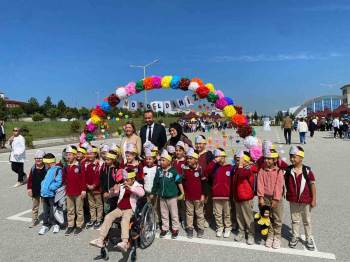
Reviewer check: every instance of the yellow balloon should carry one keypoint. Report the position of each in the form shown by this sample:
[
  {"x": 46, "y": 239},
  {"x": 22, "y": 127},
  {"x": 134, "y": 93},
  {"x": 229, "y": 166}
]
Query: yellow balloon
[
  {"x": 117, "y": 119},
  {"x": 211, "y": 87},
  {"x": 166, "y": 80},
  {"x": 229, "y": 111},
  {"x": 95, "y": 119}
]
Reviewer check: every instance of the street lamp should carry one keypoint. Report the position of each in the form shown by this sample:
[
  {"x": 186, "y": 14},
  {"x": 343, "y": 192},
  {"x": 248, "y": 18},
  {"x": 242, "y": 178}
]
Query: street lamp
[{"x": 144, "y": 67}]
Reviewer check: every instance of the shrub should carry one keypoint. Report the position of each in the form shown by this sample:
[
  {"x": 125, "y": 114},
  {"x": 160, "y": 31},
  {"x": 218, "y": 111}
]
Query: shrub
[
  {"x": 75, "y": 126},
  {"x": 37, "y": 117},
  {"x": 27, "y": 136}
]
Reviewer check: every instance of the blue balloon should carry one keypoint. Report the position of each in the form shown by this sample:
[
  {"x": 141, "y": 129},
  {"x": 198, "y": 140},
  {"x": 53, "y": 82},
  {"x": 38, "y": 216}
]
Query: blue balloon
[
  {"x": 175, "y": 82},
  {"x": 105, "y": 106},
  {"x": 228, "y": 100}
]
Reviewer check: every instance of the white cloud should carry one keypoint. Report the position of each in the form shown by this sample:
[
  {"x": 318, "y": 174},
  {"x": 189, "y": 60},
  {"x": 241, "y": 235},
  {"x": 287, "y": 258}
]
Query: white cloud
[{"x": 272, "y": 58}]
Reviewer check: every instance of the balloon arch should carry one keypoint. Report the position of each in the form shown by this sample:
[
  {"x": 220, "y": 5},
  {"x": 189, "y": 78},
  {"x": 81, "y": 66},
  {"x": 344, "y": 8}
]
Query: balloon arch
[{"x": 203, "y": 91}]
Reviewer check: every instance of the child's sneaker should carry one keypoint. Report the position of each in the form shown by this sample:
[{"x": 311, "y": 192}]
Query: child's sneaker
[
  {"x": 239, "y": 237},
  {"x": 122, "y": 246},
  {"x": 227, "y": 233},
  {"x": 34, "y": 223},
  {"x": 163, "y": 233},
  {"x": 69, "y": 231},
  {"x": 250, "y": 240},
  {"x": 200, "y": 233},
  {"x": 90, "y": 224},
  {"x": 78, "y": 230},
  {"x": 56, "y": 229},
  {"x": 310, "y": 244},
  {"x": 43, "y": 230},
  {"x": 174, "y": 234},
  {"x": 219, "y": 232},
  {"x": 293, "y": 242},
  {"x": 269, "y": 242},
  {"x": 97, "y": 225},
  {"x": 276, "y": 243},
  {"x": 189, "y": 232}
]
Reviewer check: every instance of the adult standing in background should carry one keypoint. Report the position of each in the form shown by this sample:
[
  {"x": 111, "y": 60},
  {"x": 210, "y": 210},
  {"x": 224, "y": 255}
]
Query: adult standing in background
[
  {"x": 336, "y": 127},
  {"x": 2, "y": 134},
  {"x": 130, "y": 137},
  {"x": 176, "y": 135},
  {"x": 152, "y": 132},
  {"x": 18, "y": 155},
  {"x": 287, "y": 129},
  {"x": 302, "y": 129}
]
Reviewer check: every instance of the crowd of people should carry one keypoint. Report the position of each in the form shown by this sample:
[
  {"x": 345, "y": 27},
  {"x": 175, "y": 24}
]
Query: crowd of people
[
  {"x": 339, "y": 126},
  {"x": 187, "y": 185},
  {"x": 202, "y": 125}
]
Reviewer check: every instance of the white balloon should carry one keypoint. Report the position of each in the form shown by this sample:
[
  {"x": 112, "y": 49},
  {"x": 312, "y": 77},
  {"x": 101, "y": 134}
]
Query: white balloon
[
  {"x": 193, "y": 86},
  {"x": 121, "y": 92}
]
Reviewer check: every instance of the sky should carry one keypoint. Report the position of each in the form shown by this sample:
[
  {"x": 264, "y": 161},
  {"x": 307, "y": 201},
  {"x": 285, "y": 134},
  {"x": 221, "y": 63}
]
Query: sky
[{"x": 266, "y": 55}]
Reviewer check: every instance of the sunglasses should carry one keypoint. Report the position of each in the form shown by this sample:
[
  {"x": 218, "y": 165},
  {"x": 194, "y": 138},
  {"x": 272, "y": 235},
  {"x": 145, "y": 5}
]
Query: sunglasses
[{"x": 15, "y": 130}]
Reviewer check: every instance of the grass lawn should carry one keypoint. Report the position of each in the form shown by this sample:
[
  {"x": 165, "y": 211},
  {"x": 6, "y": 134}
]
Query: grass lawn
[{"x": 42, "y": 130}]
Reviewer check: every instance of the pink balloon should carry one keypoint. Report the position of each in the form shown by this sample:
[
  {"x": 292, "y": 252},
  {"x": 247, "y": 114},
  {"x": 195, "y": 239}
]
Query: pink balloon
[{"x": 220, "y": 93}]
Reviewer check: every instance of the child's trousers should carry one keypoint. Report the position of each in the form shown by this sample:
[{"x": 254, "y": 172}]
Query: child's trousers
[
  {"x": 75, "y": 208},
  {"x": 95, "y": 206},
  {"x": 276, "y": 215},
  {"x": 244, "y": 215},
  {"x": 300, "y": 212},
  {"x": 169, "y": 205},
  {"x": 222, "y": 213},
  {"x": 35, "y": 208},
  {"x": 195, "y": 208},
  {"x": 125, "y": 223},
  {"x": 48, "y": 214}
]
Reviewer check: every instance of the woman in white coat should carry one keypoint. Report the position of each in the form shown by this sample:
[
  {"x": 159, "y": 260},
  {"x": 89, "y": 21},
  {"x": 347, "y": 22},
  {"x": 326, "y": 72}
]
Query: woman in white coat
[{"x": 18, "y": 155}]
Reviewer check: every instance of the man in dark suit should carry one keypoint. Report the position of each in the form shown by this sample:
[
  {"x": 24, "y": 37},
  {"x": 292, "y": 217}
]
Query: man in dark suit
[{"x": 152, "y": 131}]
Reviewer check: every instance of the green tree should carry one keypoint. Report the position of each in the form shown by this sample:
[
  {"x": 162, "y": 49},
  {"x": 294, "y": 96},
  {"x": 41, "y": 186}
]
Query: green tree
[
  {"x": 47, "y": 105},
  {"x": 255, "y": 116},
  {"x": 32, "y": 106},
  {"x": 16, "y": 112},
  {"x": 84, "y": 113},
  {"x": 61, "y": 106},
  {"x": 3, "y": 110},
  {"x": 53, "y": 113}
]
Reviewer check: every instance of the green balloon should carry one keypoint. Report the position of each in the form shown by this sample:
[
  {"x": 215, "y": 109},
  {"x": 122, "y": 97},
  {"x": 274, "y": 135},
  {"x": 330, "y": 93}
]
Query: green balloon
[
  {"x": 212, "y": 97},
  {"x": 139, "y": 85}
]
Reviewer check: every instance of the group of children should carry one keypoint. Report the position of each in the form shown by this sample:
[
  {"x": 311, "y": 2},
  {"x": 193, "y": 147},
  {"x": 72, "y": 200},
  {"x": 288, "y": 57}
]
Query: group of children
[{"x": 189, "y": 187}]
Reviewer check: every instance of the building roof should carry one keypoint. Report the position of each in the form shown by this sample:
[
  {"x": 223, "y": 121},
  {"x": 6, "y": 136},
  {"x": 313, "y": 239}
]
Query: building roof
[{"x": 346, "y": 86}]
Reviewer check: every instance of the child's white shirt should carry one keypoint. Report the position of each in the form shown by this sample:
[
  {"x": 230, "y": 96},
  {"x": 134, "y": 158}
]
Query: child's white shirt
[{"x": 149, "y": 174}]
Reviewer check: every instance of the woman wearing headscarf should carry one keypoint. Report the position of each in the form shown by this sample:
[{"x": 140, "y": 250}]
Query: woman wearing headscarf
[{"x": 176, "y": 135}]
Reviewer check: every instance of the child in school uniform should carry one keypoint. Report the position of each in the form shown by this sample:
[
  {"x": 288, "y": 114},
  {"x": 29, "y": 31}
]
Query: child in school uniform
[
  {"x": 81, "y": 154},
  {"x": 193, "y": 180},
  {"x": 133, "y": 162},
  {"x": 178, "y": 163},
  {"x": 108, "y": 178},
  {"x": 205, "y": 157},
  {"x": 260, "y": 163},
  {"x": 49, "y": 186},
  {"x": 219, "y": 176},
  {"x": 74, "y": 180},
  {"x": 243, "y": 194},
  {"x": 269, "y": 190},
  {"x": 36, "y": 176},
  {"x": 128, "y": 194},
  {"x": 92, "y": 178},
  {"x": 301, "y": 194},
  {"x": 166, "y": 185}
]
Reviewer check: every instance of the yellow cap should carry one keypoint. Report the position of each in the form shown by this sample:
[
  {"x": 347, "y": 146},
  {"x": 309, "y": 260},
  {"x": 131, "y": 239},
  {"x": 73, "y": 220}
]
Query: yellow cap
[
  {"x": 82, "y": 150},
  {"x": 111, "y": 156},
  {"x": 49, "y": 160}
]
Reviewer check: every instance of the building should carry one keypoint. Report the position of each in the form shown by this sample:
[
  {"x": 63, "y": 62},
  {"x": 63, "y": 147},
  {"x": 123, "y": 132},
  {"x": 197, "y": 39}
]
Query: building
[
  {"x": 346, "y": 95},
  {"x": 11, "y": 103},
  {"x": 317, "y": 104}
]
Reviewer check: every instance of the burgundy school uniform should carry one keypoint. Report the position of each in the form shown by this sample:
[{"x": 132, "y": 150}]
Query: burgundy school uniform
[
  {"x": 179, "y": 165},
  {"x": 92, "y": 174},
  {"x": 243, "y": 184},
  {"x": 74, "y": 179},
  {"x": 205, "y": 158},
  {"x": 220, "y": 178},
  {"x": 125, "y": 201},
  {"x": 192, "y": 181},
  {"x": 298, "y": 189}
]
